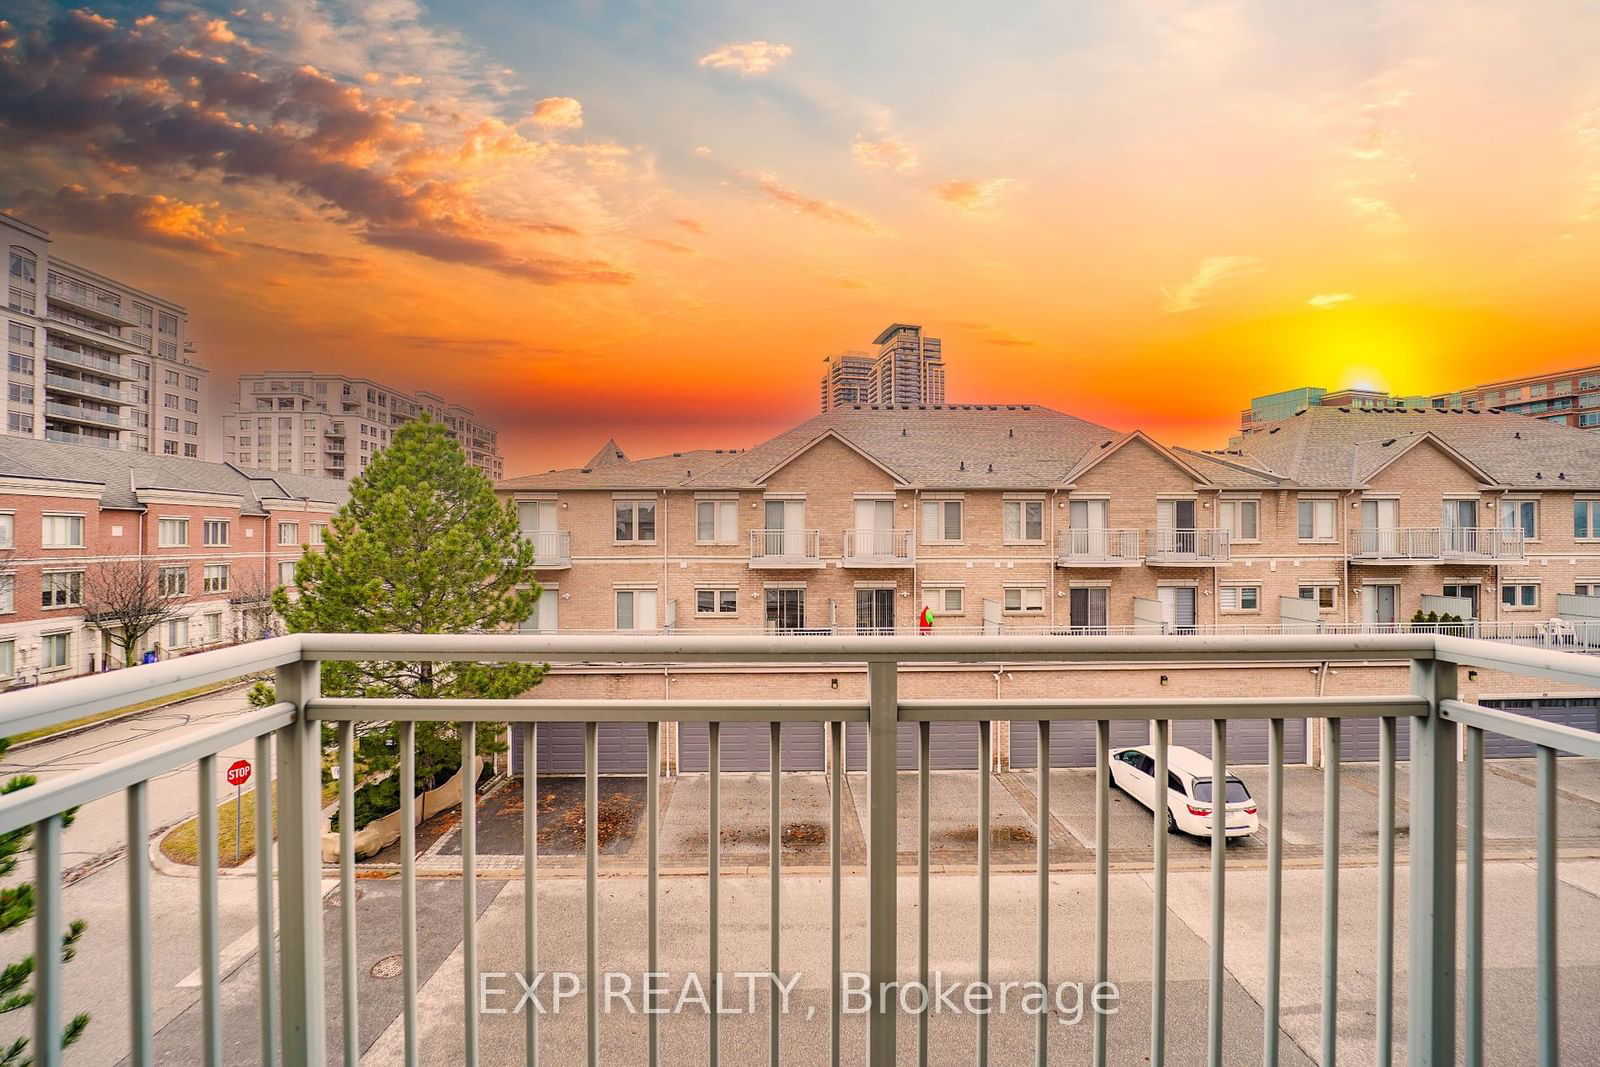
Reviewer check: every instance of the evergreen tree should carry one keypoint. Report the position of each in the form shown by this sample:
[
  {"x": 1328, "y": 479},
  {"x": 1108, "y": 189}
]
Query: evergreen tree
[{"x": 424, "y": 547}]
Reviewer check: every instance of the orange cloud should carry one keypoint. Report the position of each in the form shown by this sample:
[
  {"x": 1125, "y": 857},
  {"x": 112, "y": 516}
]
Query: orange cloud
[
  {"x": 888, "y": 153},
  {"x": 825, "y": 210},
  {"x": 557, "y": 112},
  {"x": 748, "y": 57},
  {"x": 153, "y": 220},
  {"x": 980, "y": 195}
]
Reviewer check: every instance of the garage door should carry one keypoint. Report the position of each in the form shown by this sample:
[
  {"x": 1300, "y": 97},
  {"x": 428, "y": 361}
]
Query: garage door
[
  {"x": 1247, "y": 740},
  {"x": 1071, "y": 743},
  {"x": 1358, "y": 741},
  {"x": 745, "y": 746},
  {"x": 624, "y": 748},
  {"x": 1582, "y": 714},
  {"x": 952, "y": 746}
]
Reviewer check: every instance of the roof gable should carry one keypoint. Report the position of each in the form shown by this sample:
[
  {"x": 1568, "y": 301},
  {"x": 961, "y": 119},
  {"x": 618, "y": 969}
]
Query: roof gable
[
  {"x": 830, "y": 435},
  {"x": 1380, "y": 456},
  {"x": 1100, "y": 455}
]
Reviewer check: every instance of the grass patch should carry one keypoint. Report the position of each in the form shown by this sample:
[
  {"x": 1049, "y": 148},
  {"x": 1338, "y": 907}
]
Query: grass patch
[
  {"x": 90, "y": 720},
  {"x": 182, "y": 845}
]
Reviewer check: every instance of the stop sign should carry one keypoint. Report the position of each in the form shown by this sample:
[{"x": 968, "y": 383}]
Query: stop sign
[{"x": 239, "y": 773}]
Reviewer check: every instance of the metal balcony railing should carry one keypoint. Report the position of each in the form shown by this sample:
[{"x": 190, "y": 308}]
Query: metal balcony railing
[
  {"x": 1105, "y": 547},
  {"x": 785, "y": 548},
  {"x": 93, "y": 303},
  {"x": 878, "y": 548},
  {"x": 294, "y": 992},
  {"x": 1487, "y": 543},
  {"x": 74, "y": 413},
  {"x": 65, "y": 438},
  {"x": 1425, "y": 544},
  {"x": 551, "y": 548},
  {"x": 60, "y": 383},
  {"x": 108, "y": 368},
  {"x": 1186, "y": 546}
]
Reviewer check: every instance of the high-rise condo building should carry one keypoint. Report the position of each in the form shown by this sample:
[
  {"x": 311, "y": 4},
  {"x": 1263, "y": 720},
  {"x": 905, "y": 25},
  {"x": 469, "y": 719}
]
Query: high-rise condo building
[
  {"x": 95, "y": 361},
  {"x": 331, "y": 425},
  {"x": 908, "y": 368}
]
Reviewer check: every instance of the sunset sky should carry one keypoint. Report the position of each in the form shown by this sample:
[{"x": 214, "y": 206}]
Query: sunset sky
[{"x": 654, "y": 220}]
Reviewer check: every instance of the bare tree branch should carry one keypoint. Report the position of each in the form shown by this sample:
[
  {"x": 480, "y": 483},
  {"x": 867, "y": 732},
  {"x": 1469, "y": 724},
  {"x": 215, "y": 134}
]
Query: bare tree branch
[{"x": 123, "y": 599}]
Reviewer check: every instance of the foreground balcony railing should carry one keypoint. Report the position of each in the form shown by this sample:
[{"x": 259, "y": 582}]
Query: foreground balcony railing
[
  {"x": 1433, "y": 544},
  {"x": 294, "y": 995},
  {"x": 1187, "y": 547},
  {"x": 551, "y": 548},
  {"x": 785, "y": 548},
  {"x": 878, "y": 548},
  {"x": 1098, "y": 547}
]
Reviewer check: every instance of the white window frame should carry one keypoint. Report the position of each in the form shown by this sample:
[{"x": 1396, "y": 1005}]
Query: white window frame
[
  {"x": 937, "y": 597},
  {"x": 209, "y": 525},
  {"x": 8, "y": 593},
  {"x": 213, "y": 631},
  {"x": 1332, "y": 505},
  {"x": 172, "y": 532},
  {"x": 1025, "y": 593},
  {"x": 172, "y": 633},
  {"x": 8, "y": 529},
  {"x": 293, "y": 530},
  {"x": 44, "y": 528},
  {"x": 724, "y": 520},
  {"x": 1234, "y": 506},
  {"x": 632, "y": 591},
  {"x": 1334, "y": 586},
  {"x": 1520, "y": 584},
  {"x": 942, "y": 502},
  {"x": 1021, "y": 505},
  {"x": 290, "y": 565},
  {"x": 1591, "y": 518},
  {"x": 45, "y": 641},
  {"x": 632, "y": 504},
  {"x": 316, "y": 534},
  {"x": 75, "y": 590},
  {"x": 211, "y": 574},
  {"x": 8, "y": 657},
  {"x": 716, "y": 592},
  {"x": 1592, "y": 584},
  {"x": 173, "y": 581},
  {"x": 1237, "y": 591}
]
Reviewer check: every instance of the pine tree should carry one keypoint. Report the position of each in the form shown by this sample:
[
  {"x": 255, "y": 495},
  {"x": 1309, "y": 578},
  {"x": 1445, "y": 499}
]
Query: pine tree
[
  {"x": 16, "y": 908},
  {"x": 424, "y": 547}
]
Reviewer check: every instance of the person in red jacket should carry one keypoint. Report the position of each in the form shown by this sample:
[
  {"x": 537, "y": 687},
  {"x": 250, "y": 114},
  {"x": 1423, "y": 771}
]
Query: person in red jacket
[{"x": 925, "y": 621}]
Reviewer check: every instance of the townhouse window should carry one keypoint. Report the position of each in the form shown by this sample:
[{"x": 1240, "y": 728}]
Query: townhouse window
[
  {"x": 61, "y": 589},
  {"x": 1239, "y": 598},
  {"x": 716, "y": 601},
  {"x": 55, "y": 651},
  {"x": 177, "y": 633},
  {"x": 216, "y": 531},
  {"x": 8, "y": 593},
  {"x": 785, "y": 608},
  {"x": 636, "y": 609},
  {"x": 1521, "y": 596},
  {"x": 945, "y": 600},
  {"x": 1088, "y": 607},
  {"x": 8, "y": 529},
  {"x": 173, "y": 581},
  {"x": 635, "y": 521},
  {"x": 1024, "y": 521},
  {"x": 286, "y": 572},
  {"x": 1024, "y": 600},
  {"x": 1585, "y": 519},
  {"x": 1240, "y": 518},
  {"x": 1316, "y": 519},
  {"x": 172, "y": 533},
  {"x": 1587, "y": 587},
  {"x": 318, "y": 530},
  {"x": 941, "y": 521},
  {"x": 61, "y": 531},
  {"x": 288, "y": 533},
  {"x": 1520, "y": 515},
  {"x": 1326, "y": 596},
  {"x": 716, "y": 522},
  {"x": 8, "y": 658},
  {"x": 215, "y": 578},
  {"x": 213, "y": 626}
]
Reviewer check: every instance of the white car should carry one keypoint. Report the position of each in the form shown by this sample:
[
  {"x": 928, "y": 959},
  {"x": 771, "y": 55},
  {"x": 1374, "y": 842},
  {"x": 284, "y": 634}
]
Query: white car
[{"x": 1188, "y": 790}]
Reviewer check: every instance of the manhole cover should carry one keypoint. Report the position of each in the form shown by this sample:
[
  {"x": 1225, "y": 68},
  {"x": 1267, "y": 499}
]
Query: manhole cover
[{"x": 388, "y": 967}]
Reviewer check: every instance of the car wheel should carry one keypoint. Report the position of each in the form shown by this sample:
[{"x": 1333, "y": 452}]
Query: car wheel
[{"x": 1172, "y": 822}]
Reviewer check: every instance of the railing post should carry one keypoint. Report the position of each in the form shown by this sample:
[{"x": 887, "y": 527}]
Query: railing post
[
  {"x": 300, "y": 860},
  {"x": 882, "y": 858},
  {"x": 1431, "y": 1031}
]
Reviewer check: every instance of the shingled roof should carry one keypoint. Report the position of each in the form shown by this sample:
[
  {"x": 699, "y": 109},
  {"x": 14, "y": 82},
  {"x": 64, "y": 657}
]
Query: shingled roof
[
  {"x": 1339, "y": 448},
  {"x": 657, "y": 472},
  {"x": 121, "y": 476}
]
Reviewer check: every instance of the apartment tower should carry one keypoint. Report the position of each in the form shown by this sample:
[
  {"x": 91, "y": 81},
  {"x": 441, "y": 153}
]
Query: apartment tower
[{"x": 907, "y": 368}]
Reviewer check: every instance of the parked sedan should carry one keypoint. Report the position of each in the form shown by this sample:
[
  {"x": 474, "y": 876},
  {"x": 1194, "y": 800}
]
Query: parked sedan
[{"x": 1189, "y": 804}]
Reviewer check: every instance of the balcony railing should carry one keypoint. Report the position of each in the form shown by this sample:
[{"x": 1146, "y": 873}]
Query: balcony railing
[
  {"x": 1432, "y": 544},
  {"x": 60, "y": 383},
  {"x": 551, "y": 548},
  {"x": 878, "y": 548},
  {"x": 73, "y": 413},
  {"x": 1186, "y": 547},
  {"x": 108, "y": 368},
  {"x": 93, "y": 303},
  {"x": 785, "y": 548},
  {"x": 65, "y": 438},
  {"x": 1445, "y": 905},
  {"x": 1098, "y": 547}
]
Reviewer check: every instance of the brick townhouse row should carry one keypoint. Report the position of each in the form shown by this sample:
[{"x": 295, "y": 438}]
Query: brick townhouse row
[
  {"x": 220, "y": 538},
  {"x": 1016, "y": 517}
]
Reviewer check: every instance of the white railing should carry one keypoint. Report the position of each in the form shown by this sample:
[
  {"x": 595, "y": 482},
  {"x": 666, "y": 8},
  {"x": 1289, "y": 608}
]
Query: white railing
[
  {"x": 65, "y": 438},
  {"x": 1115, "y": 546},
  {"x": 551, "y": 548},
  {"x": 81, "y": 414},
  {"x": 90, "y": 301},
  {"x": 1423, "y": 544},
  {"x": 878, "y": 547},
  {"x": 294, "y": 992},
  {"x": 60, "y": 383},
  {"x": 1187, "y": 546},
  {"x": 785, "y": 548},
  {"x": 83, "y": 360},
  {"x": 1483, "y": 543}
]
